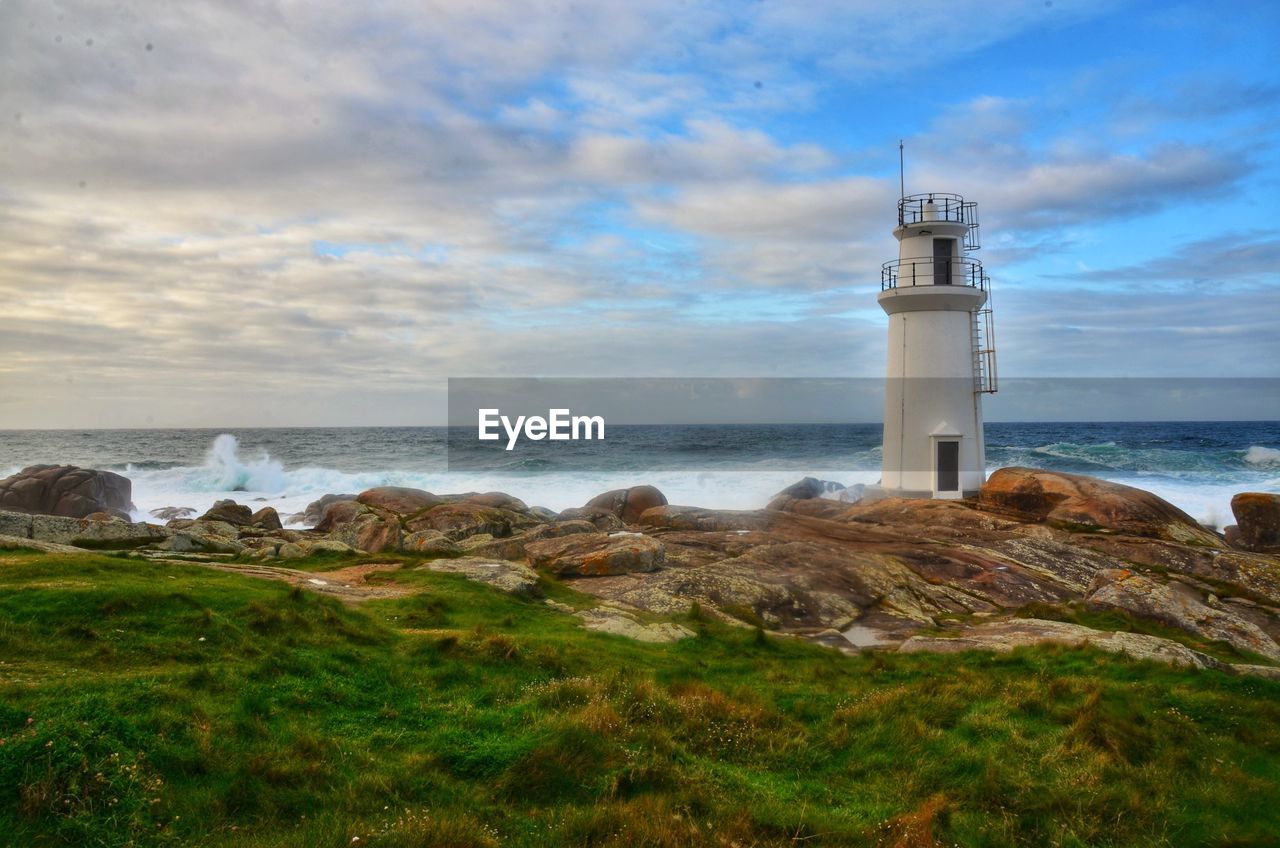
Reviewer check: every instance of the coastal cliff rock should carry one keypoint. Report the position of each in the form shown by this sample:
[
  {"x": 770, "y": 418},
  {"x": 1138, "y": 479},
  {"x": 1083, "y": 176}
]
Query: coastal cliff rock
[
  {"x": 1081, "y": 502},
  {"x": 1257, "y": 521},
  {"x": 66, "y": 490}
]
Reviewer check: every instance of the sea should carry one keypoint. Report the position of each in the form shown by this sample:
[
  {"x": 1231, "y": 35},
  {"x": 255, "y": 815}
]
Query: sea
[{"x": 1197, "y": 466}]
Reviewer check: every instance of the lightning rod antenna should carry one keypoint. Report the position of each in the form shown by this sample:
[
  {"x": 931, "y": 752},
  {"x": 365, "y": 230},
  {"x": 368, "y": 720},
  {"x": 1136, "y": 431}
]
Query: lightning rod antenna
[{"x": 902, "y": 172}]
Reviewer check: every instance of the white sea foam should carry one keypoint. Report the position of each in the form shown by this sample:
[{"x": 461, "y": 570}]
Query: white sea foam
[
  {"x": 1263, "y": 456},
  {"x": 263, "y": 480}
]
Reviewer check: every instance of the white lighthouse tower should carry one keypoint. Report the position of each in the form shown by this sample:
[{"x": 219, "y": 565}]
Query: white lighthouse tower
[{"x": 941, "y": 352}]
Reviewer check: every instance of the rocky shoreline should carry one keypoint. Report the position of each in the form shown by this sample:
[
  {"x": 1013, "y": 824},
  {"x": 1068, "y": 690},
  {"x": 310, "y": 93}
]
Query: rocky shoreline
[{"x": 1037, "y": 557}]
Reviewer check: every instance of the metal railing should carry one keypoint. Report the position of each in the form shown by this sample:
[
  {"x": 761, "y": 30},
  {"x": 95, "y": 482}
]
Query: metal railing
[
  {"x": 941, "y": 206},
  {"x": 956, "y": 271}
]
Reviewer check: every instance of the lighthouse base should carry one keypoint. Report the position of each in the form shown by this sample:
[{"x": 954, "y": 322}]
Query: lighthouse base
[{"x": 876, "y": 492}]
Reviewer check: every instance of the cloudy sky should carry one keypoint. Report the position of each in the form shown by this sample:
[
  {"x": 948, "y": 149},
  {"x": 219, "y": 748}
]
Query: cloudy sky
[{"x": 236, "y": 214}]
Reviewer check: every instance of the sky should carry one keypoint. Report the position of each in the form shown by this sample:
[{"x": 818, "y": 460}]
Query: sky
[{"x": 290, "y": 214}]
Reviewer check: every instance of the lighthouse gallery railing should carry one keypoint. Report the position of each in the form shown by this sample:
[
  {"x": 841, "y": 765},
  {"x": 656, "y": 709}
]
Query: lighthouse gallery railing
[
  {"x": 956, "y": 271},
  {"x": 941, "y": 206}
]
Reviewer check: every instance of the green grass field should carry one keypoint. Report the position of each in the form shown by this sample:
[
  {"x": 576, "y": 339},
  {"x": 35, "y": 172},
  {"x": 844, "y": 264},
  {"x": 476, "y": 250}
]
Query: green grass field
[{"x": 151, "y": 704}]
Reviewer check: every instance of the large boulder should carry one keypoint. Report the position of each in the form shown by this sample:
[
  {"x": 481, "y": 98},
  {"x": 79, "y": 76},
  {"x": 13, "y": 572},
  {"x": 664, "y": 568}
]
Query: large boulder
[
  {"x": 314, "y": 512},
  {"x": 1075, "y": 501},
  {"x": 1178, "y": 605},
  {"x": 230, "y": 512},
  {"x": 398, "y": 499},
  {"x": 1257, "y": 521},
  {"x": 597, "y": 554},
  {"x": 266, "y": 518},
  {"x": 627, "y": 504},
  {"x": 365, "y": 528},
  {"x": 66, "y": 490}
]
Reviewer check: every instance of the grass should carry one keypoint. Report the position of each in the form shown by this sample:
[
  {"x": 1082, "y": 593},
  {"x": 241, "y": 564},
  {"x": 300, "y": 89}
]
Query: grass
[{"x": 152, "y": 704}]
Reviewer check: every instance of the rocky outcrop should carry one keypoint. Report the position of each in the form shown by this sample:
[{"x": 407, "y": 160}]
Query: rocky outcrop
[
  {"x": 1087, "y": 503},
  {"x": 1004, "y": 636},
  {"x": 627, "y": 504},
  {"x": 100, "y": 530},
  {"x": 597, "y": 554},
  {"x": 1257, "y": 521},
  {"x": 66, "y": 490},
  {"x": 1178, "y": 605}
]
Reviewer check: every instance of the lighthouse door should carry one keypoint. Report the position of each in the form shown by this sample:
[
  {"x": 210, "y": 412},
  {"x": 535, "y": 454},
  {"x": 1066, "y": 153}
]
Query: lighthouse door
[
  {"x": 948, "y": 474},
  {"x": 942, "y": 261}
]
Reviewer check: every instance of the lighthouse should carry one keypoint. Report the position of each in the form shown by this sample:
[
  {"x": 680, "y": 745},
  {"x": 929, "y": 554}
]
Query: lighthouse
[{"x": 941, "y": 356}]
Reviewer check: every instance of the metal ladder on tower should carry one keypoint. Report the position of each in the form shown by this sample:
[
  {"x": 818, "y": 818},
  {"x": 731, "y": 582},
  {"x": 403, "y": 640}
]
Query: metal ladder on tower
[{"x": 985, "y": 377}]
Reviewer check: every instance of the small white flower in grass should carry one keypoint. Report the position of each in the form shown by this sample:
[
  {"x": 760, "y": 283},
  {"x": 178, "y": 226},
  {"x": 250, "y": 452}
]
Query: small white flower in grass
[{"x": 201, "y": 639}]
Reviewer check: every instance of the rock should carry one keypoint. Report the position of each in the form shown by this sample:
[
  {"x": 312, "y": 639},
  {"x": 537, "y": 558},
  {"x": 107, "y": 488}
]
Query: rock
[
  {"x": 628, "y": 504},
  {"x": 430, "y": 543},
  {"x": 498, "y": 500},
  {"x": 459, "y": 520},
  {"x": 596, "y": 554},
  {"x": 366, "y": 528},
  {"x": 599, "y": 517},
  {"x": 805, "y": 489},
  {"x": 266, "y": 518},
  {"x": 399, "y": 500},
  {"x": 201, "y": 527},
  {"x": 620, "y": 623},
  {"x": 184, "y": 541},
  {"x": 316, "y": 546},
  {"x": 168, "y": 513},
  {"x": 1257, "y": 521},
  {"x": 21, "y": 542},
  {"x": 510, "y": 577},
  {"x": 1018, "y": 632},
  {"x": 1087, "y": 503},
  {"x": 15, "y": 524},
  {"x": 1178, "y": 605},
  {"x": 102, "y": 531},
  {"x": 696, "y": 518},
  {"x": 230, "y": 512},
  {"x": 66, "y": 490},
  {"x": 289, "y": 550},
  {"x": 541, "y": 513},
  {"x": 516, "y": 547},
  {"x": 314, "y": 513}
]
